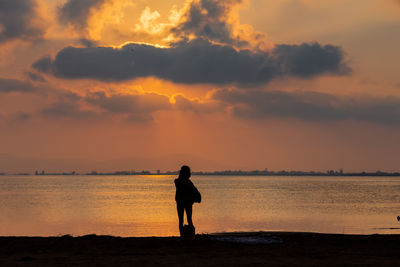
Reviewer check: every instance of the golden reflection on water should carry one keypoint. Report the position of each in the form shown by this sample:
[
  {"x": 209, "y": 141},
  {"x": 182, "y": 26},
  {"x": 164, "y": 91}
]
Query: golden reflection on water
[{"x": 145, "y": 206}]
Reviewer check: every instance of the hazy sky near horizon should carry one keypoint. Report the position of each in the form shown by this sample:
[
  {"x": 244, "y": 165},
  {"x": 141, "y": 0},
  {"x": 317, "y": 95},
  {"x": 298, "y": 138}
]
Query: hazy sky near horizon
[{"x": 216, "y": 84}]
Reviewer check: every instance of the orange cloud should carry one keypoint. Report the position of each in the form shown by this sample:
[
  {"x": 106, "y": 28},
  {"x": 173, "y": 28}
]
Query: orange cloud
[
  {"x": 91, "y": 17},
  {"x": 217, "y": 21}
]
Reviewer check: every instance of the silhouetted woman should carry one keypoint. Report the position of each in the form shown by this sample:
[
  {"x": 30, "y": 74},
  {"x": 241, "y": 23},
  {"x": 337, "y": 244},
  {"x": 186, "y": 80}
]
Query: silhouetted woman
[{"x": 186, "y": 194}]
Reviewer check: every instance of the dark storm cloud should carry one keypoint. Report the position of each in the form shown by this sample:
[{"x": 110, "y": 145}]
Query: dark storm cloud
[
  {"x": 209, "y": 19},
  {"x": 197, "y": 61},
  {"x": 12, "y": 85},
  {"x": 19, "y": 20},
  {"x": 309, "y": 106},
  {"x": 307, "y": 60},
  {"x": 76, "y": 12}
]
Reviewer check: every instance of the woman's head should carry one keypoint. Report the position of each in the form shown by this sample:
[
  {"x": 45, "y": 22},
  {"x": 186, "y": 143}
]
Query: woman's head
[{"x": 184, "y": 173}]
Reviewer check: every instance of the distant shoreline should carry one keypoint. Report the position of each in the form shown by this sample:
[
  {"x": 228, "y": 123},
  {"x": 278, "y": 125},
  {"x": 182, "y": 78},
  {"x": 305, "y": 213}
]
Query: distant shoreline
[{"x": 223, "y": 173}]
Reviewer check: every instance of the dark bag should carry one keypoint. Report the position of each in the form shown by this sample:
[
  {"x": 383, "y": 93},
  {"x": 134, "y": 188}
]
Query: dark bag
[{"x": 196, "y": 195}]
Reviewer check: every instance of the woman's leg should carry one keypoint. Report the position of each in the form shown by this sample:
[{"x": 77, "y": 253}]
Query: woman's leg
[
  {"x": 180, "y": 209},
  {"x": 188, "y": 209}
]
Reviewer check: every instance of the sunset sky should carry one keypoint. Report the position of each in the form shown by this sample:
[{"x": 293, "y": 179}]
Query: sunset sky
[{"x": 216, "y": 84}]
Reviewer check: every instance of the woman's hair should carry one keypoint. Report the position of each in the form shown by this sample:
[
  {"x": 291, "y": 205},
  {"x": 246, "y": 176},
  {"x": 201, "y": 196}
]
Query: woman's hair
[{"x": 184, "y": 173}]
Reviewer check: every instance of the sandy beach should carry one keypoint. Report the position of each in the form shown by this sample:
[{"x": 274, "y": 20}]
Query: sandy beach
[{"x": 287, "y": 249}]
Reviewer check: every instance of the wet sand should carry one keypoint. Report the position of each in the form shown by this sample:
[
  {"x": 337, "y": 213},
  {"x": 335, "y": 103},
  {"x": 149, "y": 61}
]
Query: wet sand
[{"x": 294, "y": 249}]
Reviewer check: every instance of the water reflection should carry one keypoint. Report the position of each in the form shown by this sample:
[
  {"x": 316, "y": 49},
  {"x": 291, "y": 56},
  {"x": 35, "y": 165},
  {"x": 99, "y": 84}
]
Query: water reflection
[{"x": 144, "y": 205}]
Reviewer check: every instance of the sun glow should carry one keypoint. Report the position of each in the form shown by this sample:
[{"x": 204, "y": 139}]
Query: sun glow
[
  {"x": 111, "y": 13},
  {"x": 148, "y": 22}
]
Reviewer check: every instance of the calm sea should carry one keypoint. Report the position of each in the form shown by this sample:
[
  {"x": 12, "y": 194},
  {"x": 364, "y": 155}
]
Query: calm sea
[{"x": 145, "y": 206}]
